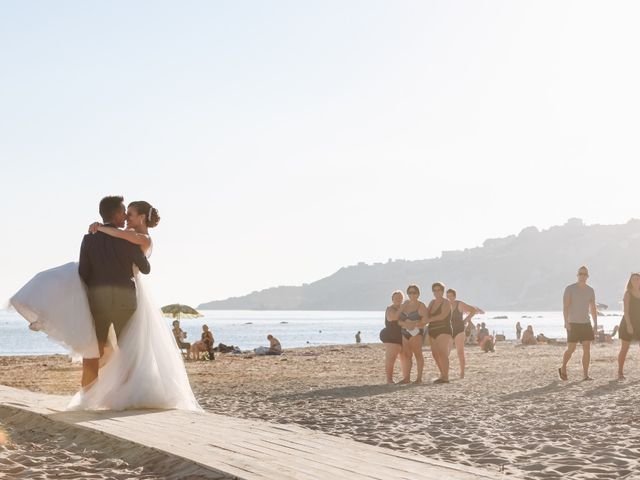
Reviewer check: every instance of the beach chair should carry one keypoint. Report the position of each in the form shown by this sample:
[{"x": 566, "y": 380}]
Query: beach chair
[{"x": 184, "y": 351}]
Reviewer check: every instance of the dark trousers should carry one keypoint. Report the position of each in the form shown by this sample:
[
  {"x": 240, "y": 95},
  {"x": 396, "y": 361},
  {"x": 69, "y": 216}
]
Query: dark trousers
[
  {"x": 111, "y": 305},
  {"x": 104, "y": 319}
]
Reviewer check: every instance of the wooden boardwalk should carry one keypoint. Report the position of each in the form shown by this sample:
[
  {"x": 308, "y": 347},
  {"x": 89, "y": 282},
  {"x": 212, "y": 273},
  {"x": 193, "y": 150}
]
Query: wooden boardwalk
[{"x": 247, "y": 449}]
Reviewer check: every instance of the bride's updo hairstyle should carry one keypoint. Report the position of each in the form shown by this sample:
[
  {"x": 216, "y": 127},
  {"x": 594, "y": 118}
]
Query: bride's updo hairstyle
[{"x": 151, "y": 213}]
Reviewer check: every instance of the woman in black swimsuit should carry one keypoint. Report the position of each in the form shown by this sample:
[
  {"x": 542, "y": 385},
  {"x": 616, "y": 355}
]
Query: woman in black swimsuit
[
  {"x": 629, "y": 330},
  {"x": 458, "y": 324},
  {"x": 439, "y": 320},
  {"x": 413, "y": 318},
  {"x": 391, "y": 336}
]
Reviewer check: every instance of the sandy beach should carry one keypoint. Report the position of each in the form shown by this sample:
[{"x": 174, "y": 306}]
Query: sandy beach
[
  {"x": 511, "y": 413},
  {"x": 33, "y": 447}
]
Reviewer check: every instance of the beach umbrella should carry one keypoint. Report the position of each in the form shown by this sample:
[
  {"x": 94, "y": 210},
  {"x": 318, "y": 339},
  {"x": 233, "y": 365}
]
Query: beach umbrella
[{"x": 177, "y": 310}]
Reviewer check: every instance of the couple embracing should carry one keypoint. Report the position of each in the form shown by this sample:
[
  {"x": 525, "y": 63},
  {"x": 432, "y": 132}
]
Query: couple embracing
[{"x": 101, "y": 310}]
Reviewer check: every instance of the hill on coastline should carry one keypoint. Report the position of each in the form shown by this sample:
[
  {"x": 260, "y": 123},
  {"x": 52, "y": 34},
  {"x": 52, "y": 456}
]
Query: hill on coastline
[{"x": 527, "y": 271}]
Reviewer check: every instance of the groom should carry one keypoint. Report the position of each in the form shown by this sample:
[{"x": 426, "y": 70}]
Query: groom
[{"x": 106, "y": 266}]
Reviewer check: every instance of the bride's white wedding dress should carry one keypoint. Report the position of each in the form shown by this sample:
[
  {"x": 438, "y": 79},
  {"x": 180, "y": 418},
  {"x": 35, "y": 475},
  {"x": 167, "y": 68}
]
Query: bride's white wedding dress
[
  {"x": 144, "y": 370},
  {"x": 55, "y": 302}
]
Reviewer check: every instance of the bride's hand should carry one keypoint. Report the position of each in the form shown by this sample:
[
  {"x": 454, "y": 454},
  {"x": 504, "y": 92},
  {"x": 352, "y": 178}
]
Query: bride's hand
[{"x": 93, "y": 228}]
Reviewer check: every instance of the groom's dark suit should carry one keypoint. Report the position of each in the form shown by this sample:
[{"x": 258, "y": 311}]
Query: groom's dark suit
[{"x": 106, "y": 266}]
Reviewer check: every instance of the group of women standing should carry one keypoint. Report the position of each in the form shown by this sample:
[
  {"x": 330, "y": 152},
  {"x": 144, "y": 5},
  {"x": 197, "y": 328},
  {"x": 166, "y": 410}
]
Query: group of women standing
[{"x": 408, "y": 323}]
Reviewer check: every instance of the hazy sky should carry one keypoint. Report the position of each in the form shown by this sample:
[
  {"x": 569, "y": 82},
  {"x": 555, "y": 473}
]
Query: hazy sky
[{"x": 282, "y": 140}]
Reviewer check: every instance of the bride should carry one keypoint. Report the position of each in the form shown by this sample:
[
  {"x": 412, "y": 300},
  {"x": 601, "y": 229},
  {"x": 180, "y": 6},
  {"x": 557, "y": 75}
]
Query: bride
[{"x": 145, "y": 368}]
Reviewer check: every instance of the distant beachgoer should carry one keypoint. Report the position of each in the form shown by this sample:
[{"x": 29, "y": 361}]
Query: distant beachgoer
[
  {"x": 274, "y": 346},
  {"x": 518, "y": 330},
  {"x": 413, "y": 318},
  {"x": 358, "y": 338},
  {"x": 579, "y": 299},
  {"x": 440, "y": 331},
  {"x": 391, "y": 337},
  {"x": 204, "y": 345},
  {"x": 542, "y": 338},
  {"x": 529, "y": 338},
  {"x": 471, "y": 333},
  {"x": 485, "y": 339},
  {"x": 600, "y": 335},
  {"x": 629, "y": 329},
  {"x": 459, "y": 308},
  {"x": 180, "y": 335},
  {"x": 488, "y": 344},
  {"x": 483, "y": 331}
]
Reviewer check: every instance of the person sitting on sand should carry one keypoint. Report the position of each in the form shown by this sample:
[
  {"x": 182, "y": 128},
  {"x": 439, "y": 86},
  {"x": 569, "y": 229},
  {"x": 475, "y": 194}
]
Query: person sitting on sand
[
  {"x": 485, "y": 340},
  {"x": 179, "y": 336},
  {"x": 204, "y": 345},
  {"x": 483, "y": 331},
  {"x": 488, "y": 344},
  {"x": 274, "y": 346},
  {"x": 471, "y": 333},
  {"x": 528, "y": 337}
]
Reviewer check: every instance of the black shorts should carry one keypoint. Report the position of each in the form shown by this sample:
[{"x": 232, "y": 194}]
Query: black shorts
[
  {"x": 580, "y": 332},
  {"x": 457, "y": 327},
  {"x": 439, "y": 328},
  {"x": 623, "y": 334}
]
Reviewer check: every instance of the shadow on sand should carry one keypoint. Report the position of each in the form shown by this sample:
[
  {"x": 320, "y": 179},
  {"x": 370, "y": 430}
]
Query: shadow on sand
[
  {"x": 610, "y": 387},
  {"x": 355, "y": 391},
  {"x": 80, "y": 416},
  {"x": 555, "y": 386}
]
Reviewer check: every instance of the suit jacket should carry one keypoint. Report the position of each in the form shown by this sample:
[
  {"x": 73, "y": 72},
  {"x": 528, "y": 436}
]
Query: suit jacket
[{"x": 106, "y": 266}]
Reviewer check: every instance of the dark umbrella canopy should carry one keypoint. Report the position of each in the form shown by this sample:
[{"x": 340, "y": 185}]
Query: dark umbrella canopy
[{"x": 177, "y": 310}]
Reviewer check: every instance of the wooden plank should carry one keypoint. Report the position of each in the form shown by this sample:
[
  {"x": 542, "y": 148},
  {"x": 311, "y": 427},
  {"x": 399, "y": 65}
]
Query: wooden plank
[{"x": 248, "y": 449}]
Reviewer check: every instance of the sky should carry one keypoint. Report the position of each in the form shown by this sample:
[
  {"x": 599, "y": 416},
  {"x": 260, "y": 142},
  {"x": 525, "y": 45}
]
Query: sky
[{"x": 283, "y": 140}]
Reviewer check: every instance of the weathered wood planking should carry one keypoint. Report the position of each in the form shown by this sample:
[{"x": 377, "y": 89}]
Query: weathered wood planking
[{"x": 247, "y": 449}]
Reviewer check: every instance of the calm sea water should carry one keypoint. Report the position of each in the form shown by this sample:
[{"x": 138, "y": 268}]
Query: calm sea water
[{"x": 248, "y": 329}]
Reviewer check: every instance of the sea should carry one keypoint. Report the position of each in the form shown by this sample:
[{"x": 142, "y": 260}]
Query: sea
[{"x": 248, "y": 329}]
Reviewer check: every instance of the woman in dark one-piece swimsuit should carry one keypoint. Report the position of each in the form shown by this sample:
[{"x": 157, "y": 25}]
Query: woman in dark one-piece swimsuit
[
  {"x": 391, "y": 336},
  {"x": 439, "y": 321},
  {"x": 458, "y": 325}
]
